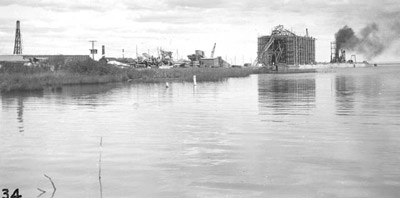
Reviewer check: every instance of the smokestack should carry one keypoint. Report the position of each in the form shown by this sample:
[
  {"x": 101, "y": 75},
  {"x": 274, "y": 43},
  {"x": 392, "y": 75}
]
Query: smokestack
[
  {"x": 306, "y": 32},
  {"x": 103, "y": 51}
]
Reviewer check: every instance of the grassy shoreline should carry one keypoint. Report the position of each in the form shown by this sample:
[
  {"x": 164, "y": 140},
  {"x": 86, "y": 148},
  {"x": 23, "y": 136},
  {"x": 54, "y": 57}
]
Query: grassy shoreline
[
  {"x": 17, "y": 77},
  {"x": 29, "y": 81}
]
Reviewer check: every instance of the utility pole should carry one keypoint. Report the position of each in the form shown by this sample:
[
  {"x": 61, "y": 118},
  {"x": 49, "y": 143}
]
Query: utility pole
[
  {"x": 93, "y": 51},
  {"x": 137, "y": 54},
  {"x": 355, "y": 59},
  {"x": 123, "y": 53}
]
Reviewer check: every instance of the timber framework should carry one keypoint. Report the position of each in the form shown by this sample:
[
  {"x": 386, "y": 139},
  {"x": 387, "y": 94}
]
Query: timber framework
[{"x": 285, "y": 47}]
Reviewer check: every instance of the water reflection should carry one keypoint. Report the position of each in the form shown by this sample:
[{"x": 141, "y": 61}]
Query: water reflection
[
  {"x": 345, "y": 91},
  {"x": 22, "y": 103},
  {"x": 90, "y": 96},
  {"x": 286, "y": 95},
  {"x": 16, "y": 101},
  {"x": 20, "y": 110},
  {"x": 353, "y": 87}
]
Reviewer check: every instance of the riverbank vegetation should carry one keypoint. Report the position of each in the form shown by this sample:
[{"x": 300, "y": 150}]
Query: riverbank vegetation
[{"x": 16, "y": 76}]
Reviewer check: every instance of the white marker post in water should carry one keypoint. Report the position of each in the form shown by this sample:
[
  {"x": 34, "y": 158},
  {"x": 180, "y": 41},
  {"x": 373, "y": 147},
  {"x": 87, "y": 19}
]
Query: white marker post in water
[{"x": 194, "y": 80}]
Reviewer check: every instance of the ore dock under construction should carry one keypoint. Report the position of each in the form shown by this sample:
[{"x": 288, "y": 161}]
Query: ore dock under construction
[{"x": 285, "y": 48}]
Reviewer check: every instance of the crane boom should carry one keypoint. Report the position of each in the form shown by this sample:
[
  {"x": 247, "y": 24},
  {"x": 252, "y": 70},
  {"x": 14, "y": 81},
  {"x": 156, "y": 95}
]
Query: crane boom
[
  {"x": 264, "y": 50},
  {"x": 213, "y": 50}
]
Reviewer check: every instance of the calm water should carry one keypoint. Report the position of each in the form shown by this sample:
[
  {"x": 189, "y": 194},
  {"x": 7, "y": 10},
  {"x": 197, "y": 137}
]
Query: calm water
[{"x": 330, "y": 134}]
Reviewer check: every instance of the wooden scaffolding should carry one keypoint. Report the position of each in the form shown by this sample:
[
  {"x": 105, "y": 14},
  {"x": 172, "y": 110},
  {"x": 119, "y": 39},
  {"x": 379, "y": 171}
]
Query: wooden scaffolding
[{"x": 285, "y": 47}]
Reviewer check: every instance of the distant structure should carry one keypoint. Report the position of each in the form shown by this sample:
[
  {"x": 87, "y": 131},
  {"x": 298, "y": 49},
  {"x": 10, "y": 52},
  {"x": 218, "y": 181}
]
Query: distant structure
[
  {"x": 337, "y": 55},
  {"x": 42, "y": 58},
  {"x": 103, "y": 51},
  {"x": 213, "y": 50},
  {"x": 195, "y": 58},
  {"x": 166, "y": 57},
  {"x": 213, "y": 62},
  {"x": 18, "y": 42},
  {"x": 198, "y": 59},
  {"x": 93, "y": 51},
  {"x": 285, "y": 48}
]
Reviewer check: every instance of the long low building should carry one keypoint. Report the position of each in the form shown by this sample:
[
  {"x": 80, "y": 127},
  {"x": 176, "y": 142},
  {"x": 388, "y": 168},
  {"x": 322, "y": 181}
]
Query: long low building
[
  {"x": 27, "y": 58},
  {"x": 213, "y": 62},
  {"x": 12, "y": 58}
]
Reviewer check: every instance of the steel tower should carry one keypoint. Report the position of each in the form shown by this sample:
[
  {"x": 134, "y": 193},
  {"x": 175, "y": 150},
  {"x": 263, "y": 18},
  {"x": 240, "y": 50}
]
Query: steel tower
[{"x": 18, "y": 42}]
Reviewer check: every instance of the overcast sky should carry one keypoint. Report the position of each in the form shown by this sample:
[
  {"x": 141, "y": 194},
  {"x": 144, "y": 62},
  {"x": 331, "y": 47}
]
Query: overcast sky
[{"x": 66, "y": 26}]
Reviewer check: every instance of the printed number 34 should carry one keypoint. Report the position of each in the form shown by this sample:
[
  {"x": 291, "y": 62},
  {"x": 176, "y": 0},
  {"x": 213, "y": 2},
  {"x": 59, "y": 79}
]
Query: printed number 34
[{"x": 15, "y": 194}]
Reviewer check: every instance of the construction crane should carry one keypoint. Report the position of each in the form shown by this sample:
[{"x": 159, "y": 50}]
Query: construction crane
[{"x": 213, "y": 50}]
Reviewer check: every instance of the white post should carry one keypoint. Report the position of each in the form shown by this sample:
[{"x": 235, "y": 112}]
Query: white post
[{"x": 194, "y": 80}]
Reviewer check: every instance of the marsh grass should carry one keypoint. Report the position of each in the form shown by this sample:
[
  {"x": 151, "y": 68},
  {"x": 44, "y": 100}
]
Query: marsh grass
[
  {"x": 22, "y": 78},
  {"x": 38, "y": 81}
]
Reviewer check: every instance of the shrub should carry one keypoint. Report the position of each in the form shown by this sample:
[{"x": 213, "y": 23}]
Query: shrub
[
  {"x": 90, "y": 67},
  {"x": 20, "y": 68}
]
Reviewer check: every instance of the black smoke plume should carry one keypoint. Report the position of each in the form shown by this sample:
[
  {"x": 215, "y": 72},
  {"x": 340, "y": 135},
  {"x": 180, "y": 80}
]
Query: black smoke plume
[
  {"x": 346, "y": 39},
  {"x": 369, "y": 42}
]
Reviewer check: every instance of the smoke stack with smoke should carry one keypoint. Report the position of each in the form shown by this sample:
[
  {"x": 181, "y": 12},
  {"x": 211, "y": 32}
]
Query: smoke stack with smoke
[
  {"x": 370, "y": 42},
  {"x": 345, "y": 39}
]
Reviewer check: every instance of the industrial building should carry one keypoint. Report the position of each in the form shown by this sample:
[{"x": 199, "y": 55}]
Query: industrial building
[
  {"x": 49, "y": 58},
  {"x": 213, "y": 62},
  {"x": 338, "y": 55},
  {"x": 284, "y": 47},
  {"x": 198, "y": 59},
  {"x": 195, "y": 58}
]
